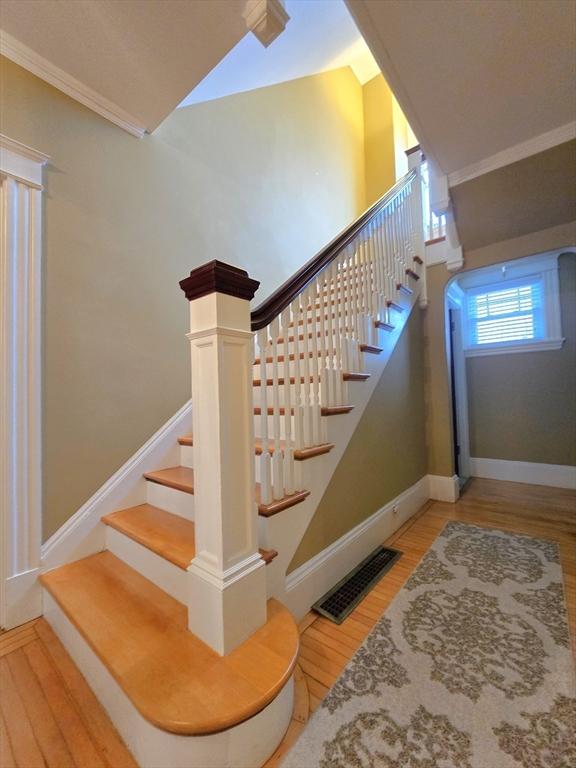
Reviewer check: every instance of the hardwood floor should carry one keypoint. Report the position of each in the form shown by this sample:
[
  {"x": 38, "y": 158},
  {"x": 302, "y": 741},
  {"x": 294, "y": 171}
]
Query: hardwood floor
[
  {"x": 548, "y": 513},
  {"x": 49, "y": 716},
  {"x": 51, "y": 719}
]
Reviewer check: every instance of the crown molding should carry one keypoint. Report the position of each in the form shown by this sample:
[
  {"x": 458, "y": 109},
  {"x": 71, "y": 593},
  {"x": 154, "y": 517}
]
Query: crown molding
[
  {"x": 515, "y": 153},
  {"x": 28, "y": 59},
  {"x": 21, "y": 162}
]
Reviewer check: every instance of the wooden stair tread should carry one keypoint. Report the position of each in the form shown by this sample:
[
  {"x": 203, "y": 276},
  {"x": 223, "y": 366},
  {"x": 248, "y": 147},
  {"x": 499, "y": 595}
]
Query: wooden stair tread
[
  {"x": 370, "y": 349},
  {"x": 167, "y": 535},
  {"x": 383, "y": 325},
  {"x": 278, "y": 505},
  {"x": 332, "y": 410},
  {"x": 352, "y": 376},
  {"x": 173, "y": 679},
  {"x": 346, "y": 376},
  {"x": 182, "y": 478},
  {"x": 170, "y": 536},
  {"x": 300, "y": 454}
]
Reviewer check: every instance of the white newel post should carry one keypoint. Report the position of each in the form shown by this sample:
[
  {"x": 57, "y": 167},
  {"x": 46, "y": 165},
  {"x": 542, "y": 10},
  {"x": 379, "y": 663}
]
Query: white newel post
[{"x": 227, "y": 594}]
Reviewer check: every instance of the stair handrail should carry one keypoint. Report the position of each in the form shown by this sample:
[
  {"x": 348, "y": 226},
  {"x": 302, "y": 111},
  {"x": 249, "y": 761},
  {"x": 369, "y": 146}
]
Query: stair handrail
[{"x": 272, "y": 307}]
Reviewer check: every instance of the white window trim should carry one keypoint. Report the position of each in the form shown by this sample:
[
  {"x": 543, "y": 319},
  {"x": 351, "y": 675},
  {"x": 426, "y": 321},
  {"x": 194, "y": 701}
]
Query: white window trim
[
  {"x": 544, "y": 266},
  {"x": 20, "y": 381}
]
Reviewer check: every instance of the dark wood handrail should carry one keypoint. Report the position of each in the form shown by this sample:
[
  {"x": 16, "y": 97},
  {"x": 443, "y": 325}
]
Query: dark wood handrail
[{"x": 282, "y": 296}]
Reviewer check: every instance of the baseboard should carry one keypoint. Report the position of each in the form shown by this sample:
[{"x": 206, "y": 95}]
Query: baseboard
[
  {"x": 555, "y": 475},
  {"x": 315, "y": 577},
  {"x": 443, "y": 488},
  {"x": 83, "y": 534},
  {"x": 23, "y": 598}
]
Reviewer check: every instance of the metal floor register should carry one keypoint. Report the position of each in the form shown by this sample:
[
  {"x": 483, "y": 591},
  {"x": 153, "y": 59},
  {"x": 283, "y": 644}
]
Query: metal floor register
[{"x": 345, "y": 596}]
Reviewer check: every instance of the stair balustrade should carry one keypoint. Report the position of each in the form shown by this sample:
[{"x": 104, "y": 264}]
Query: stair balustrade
[{"x": 275, "y": 373}]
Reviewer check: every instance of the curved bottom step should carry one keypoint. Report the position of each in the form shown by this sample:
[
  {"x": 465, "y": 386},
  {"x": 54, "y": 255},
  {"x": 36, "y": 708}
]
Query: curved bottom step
[
  {"x": 175, "y": 701},
  {"x": 247, "y": 745}
]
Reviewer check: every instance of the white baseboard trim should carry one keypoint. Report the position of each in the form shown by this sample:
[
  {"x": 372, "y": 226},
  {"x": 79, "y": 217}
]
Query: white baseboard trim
[
  {"x": 443, "y": 488},
  {"x": 315, "y": 577},
  {"x": 23, "y": 598},
  {"x": 83, "y": 534},
  {"x": 555, "y": 475}
]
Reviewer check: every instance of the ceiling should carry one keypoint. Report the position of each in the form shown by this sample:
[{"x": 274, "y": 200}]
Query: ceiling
[
  {"x": 320, "y": 36},
  {"x": 139, "y": 59},
  {"x": 476, "y": 78}
]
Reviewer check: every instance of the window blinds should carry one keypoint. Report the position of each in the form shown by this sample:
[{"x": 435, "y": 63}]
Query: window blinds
[{"x": 507, "y": 314}]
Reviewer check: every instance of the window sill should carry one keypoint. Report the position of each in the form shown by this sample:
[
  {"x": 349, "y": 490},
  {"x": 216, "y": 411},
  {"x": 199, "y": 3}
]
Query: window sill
[{"x": 506, "y": 349}]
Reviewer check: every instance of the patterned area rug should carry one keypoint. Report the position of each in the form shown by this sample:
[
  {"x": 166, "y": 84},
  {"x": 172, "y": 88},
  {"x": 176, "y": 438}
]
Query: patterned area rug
[{"x": 470, "y": 667}]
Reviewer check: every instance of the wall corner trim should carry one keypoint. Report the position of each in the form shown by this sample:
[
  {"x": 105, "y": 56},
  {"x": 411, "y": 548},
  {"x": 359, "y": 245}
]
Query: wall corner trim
[
  {"x": 554, "y": 475},
  {"x": 443, "y": 488},
  {"x": 20, "y": 379},
  {"x": 25, "y": 57}
]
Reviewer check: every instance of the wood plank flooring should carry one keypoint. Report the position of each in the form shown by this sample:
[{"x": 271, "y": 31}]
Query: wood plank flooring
[
  {"x": 49, "y": 717},
  {"x": 539, "y": 511}
]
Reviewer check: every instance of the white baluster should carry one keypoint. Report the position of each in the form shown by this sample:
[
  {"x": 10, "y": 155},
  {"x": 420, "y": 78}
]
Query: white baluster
[
  {"x": 335, "y": 337},
  {"x": 298, "y": 395},
  {"x": 326, "y": 309},
  {"x": 264, "y": 458},
  {"x": 277, "y": 468},
  {"x": 315, "y": 368},
  {"x": 306, "y": 388},
  {"x": 287, "y": 387}
]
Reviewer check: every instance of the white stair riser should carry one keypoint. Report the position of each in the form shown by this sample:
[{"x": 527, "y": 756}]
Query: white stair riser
[
  {"x": 161, "y": 572},
  {"x": 249, "y": 744},
  {"x": 170, "y": 499},
  {"x": 187, "y": 456}
]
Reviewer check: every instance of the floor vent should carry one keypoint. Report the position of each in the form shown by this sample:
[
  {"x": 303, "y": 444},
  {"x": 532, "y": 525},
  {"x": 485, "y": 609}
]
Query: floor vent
[{"x": 345, "y": 596}]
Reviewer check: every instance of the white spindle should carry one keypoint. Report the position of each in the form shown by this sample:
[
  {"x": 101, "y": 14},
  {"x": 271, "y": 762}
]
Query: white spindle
[
  {"x": 264, "y": 458},
  {"x": 306, "y": 388},
  {"x": 277, "y": 468},
  {"x": 315, "y": 369},
  {"x": 288, "y": 430},
  {"x": 298, "y": 395}
]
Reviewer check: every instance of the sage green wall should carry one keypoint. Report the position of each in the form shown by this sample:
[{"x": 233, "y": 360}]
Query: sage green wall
[
  {"x": 262, "y": 180},
  {"x": 522, "y": 407},
  {"x": 387, "y": 452},
  {"x": 438, "y": 413}
]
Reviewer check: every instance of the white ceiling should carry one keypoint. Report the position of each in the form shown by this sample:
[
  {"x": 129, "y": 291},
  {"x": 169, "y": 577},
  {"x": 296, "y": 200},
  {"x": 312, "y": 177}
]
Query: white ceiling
[
  {"x": 320, "y": 36},
  {"x": 476, "y": 77},
  {"x": 142, "y": 57}
]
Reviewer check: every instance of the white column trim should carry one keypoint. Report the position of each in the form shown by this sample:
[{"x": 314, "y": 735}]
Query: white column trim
[{"x": 20, "y": 381}]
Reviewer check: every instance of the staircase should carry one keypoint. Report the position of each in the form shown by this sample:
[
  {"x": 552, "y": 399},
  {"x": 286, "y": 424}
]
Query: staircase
[{"x": 177, "y": 623}]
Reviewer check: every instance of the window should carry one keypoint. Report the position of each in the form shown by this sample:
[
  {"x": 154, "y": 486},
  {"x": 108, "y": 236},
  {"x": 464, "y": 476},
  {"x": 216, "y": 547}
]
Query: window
[{"x": 513, "y": 307}]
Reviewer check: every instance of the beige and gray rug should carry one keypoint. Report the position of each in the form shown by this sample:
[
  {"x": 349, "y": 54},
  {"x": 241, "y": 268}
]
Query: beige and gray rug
[{"x": 470, "y": 667}]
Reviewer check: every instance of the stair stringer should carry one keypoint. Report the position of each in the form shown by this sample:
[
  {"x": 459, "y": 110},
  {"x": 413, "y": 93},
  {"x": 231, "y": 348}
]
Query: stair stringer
[{"x": 284, "y": 531}]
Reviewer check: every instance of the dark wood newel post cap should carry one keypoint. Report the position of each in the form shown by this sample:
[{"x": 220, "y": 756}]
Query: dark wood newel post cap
[{"x": 217, "y": 277}]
